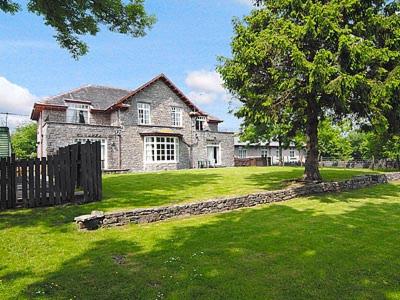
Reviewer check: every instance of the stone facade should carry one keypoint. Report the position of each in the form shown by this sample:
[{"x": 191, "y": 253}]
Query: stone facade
[
  {"x": 147, "y": 215},
  {"x": 124, "y": 137},
  {"x": 268, "y": 150}
]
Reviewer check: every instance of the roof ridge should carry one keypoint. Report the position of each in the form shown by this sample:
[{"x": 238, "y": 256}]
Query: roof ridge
[{"x": 66, "y": 92}]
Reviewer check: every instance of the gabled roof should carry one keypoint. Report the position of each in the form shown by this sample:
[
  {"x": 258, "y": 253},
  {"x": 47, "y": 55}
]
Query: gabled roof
[{"x": 106, "y": 99}]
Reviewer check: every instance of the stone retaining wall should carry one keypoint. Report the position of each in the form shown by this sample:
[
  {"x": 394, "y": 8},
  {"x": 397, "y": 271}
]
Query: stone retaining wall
[{"x": 146, "y": 215}]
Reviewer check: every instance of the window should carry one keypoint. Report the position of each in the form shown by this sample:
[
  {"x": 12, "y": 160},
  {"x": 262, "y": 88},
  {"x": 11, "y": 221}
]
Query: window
[
  {"x": 277, "y": 152},
  {"x": 103, "y": 143},
  {"x": 78, "y": 113},
  {"x": 264, "y": 152},
  {"x": 242, "y": 153},
  {"x": 161, "y": 149},
  {"x": 143, "y": 113},
  {"x": 200, "y": 123},
  {"x": 176, "y": 115},
  {"x": 291, "y": 153}
]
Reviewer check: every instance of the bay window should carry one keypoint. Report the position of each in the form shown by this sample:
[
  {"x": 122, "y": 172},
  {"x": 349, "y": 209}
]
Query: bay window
[{"x": 161, "y": 149}]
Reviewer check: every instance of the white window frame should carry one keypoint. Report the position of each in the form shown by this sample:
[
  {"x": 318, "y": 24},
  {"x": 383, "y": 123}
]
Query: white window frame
[
  {"x": 74, "y": 110},
  {"x": 242, "y": 153},
  {"x": 144, "y": 113},
  {"x": 292, "y": 154},
  {"x": 161, "y": 149},
  {"x": 103, "y": 143},
  {"x": 219, "y": 153},
  {"x": 264, "y": 153},
  {"x": 176, "y": 116},
  {"x": 203, "y": 120}
]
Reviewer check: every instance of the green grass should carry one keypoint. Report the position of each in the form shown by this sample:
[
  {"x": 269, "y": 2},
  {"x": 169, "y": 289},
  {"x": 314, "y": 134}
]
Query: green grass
[
  {"x": 154, "y": 189},
  {"x": 336, "y": 246}
]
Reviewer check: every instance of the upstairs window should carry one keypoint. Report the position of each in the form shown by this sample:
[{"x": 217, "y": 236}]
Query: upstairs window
[
  {"x": 143, "y": 113},
  {"x": 176, "y": 115},
  {"x": 78, "y": 113},
  {"x": 200, "y": 123}
]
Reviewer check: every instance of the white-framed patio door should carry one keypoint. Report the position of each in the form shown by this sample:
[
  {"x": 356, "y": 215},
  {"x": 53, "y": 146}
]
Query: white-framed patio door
[{"x": 213, "y": 154}]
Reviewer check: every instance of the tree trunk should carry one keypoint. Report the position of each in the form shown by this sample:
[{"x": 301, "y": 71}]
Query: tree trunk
[
  {"x": 311, "y": 172},
  {"x": 280, "y": 151}
]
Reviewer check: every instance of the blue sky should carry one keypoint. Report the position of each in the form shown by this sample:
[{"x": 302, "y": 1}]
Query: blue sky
[{"x": 183, "y": 44}]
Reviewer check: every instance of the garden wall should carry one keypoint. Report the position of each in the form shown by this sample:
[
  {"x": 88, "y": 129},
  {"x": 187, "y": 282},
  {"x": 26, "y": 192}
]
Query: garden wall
[{"x": 147, "y": 215}]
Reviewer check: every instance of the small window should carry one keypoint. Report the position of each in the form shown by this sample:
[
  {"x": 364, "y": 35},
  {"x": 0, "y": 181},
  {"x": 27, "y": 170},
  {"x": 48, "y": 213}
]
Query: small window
[
  {"x": 200, "y": 123},
  {"x": 143, "y": 113},
  {"x": 264, "y": 152},
  {"x": 78, "y": 113},
  {"x": 242, "y": 153},
  {"x": 291, "y": 153},
  {"x": 277, "y": 152},
  {"x": 176, "y": 116}
]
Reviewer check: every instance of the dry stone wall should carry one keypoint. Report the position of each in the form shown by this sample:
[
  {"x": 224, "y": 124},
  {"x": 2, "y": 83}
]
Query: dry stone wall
[{"x": 146, "y": 215}]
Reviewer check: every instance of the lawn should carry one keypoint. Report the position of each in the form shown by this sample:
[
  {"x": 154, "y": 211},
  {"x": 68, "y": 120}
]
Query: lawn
[
  {"x": 336, "y": 246},
  {"x": 153, "y": 189}
]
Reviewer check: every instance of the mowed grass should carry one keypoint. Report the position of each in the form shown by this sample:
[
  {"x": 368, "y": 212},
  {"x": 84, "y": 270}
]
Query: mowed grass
[
  {"x": 162, "y": 188},
  {"x": 334, "y": 246}
]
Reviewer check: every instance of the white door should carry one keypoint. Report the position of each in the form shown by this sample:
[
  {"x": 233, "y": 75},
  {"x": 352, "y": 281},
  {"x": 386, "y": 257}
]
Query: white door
[{"x": 213, "y": 155}]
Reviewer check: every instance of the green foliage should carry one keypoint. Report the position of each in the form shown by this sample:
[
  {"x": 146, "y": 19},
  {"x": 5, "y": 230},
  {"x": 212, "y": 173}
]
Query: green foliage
[
  {"x": 313, "y": 57},
  {"x": 23, "y": 141},
  {"x": 76, "y": 18},
  {"x": 332, "y": 141}
]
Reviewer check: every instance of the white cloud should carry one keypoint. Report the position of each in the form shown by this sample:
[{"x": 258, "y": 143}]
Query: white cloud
[
  {"x": 14, "y": 99},
  {"x": 206, "y": 87},
  {"x": 207, "y": 81}
]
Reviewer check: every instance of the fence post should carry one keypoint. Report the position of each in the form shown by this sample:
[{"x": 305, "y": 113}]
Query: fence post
[
  {"x": 24, "y": 182},
  {"x": 3, "y": 183}
]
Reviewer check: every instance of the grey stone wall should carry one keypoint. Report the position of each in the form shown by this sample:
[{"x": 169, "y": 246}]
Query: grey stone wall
[
  {"x": 147, "y": 215},
  {"x": 56, "y": 133},
  {"x": 62, "y": 134},
  {"x": 225, "y": 141}
]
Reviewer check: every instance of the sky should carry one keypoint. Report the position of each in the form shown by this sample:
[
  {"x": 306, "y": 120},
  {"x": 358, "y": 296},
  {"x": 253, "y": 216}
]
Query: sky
[{"x": 184, "y": 45}]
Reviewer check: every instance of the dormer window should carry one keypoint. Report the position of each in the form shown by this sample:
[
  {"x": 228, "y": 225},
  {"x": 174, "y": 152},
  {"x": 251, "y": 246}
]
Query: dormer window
[
  {"x": 143, "y": 113},
  {"x": 200, "y": 123},
  {"x": 78, "y": 113}
]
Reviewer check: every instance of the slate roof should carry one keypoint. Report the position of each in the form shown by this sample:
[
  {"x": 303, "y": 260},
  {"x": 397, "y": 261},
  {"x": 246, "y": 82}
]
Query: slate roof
[
  {"x": 101, "y": 97},
  {"x": 106, "y": 99}
]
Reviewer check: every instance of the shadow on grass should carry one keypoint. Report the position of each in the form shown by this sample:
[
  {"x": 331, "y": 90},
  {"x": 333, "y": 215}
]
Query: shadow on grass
[
  {"x": 153, "y": 189},
  {"x": 120, "y": 191},
  {"x": 279, "y": 179},
  {"x": 275, "y": 252}
]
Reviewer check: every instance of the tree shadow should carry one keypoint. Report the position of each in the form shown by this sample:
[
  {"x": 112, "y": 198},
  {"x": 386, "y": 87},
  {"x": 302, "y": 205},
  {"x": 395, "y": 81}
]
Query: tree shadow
[
  {"x": 120, "y": 191},
  {"x": 281, "y": 178},
  {"x": 275, "y": 251}
]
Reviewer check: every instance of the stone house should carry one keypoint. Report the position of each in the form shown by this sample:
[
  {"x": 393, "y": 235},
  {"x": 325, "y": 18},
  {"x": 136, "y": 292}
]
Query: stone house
[
  {"x": 154, "y": 127},
  {"x": 269, "y": 151}
]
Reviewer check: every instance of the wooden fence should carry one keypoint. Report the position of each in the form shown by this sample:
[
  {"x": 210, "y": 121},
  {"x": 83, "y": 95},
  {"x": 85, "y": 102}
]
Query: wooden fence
[{"x": 72, "y": 175}]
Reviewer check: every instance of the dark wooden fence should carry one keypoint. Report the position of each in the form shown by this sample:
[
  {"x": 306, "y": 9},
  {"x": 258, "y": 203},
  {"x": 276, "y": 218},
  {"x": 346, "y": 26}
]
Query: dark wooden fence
[{"x": 72, "y": 175}]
